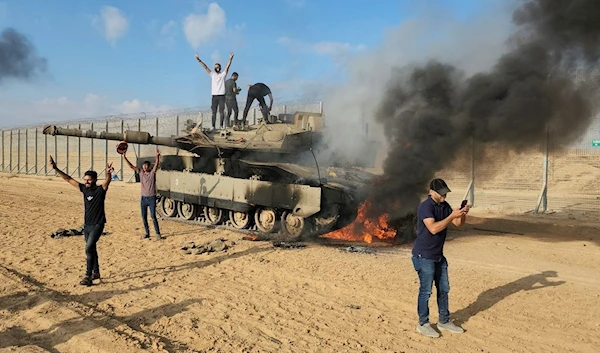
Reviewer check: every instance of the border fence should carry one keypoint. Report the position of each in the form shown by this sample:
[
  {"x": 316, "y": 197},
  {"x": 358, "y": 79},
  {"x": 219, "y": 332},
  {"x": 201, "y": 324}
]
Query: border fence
[{"x": 545, "y": 179}]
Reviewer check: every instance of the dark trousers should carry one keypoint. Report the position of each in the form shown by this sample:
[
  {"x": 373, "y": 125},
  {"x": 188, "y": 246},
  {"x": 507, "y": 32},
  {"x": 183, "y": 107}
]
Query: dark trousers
[
  {"x": 217, "y": 102},
  {"x": 92, "y": 234},
  {"x": 231, "y": 106},
  {"x": 263, "y": 106},
  {"x": 432, "y": 271},
  {"x": 149, "y": 202}
]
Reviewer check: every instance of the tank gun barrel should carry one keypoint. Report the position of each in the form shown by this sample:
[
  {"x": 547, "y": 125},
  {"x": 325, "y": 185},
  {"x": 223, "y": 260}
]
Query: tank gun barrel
[{"x": 129, "y": 136}]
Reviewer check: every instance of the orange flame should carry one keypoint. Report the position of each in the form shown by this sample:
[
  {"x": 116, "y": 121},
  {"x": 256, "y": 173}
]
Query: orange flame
[{"x": 363, "y": 228}]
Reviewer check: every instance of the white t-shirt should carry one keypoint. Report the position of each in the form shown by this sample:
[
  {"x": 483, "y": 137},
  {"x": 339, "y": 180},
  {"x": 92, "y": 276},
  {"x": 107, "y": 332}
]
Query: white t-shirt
[{"x": 218, "y": 83}]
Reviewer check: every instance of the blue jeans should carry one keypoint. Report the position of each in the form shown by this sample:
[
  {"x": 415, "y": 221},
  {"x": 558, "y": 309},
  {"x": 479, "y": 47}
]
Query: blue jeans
[
  {"x": 431, "y": 271},
  {"x": 91, "y": 235},
  {"x": 149, "y": 201}
]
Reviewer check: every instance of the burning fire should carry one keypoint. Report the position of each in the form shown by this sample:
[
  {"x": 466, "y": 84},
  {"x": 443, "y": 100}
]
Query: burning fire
[{"x": 363, "y": 228}]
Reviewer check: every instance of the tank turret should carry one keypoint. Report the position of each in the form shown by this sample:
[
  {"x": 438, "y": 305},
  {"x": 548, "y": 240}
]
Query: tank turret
[{"x": 269, "y": 138}]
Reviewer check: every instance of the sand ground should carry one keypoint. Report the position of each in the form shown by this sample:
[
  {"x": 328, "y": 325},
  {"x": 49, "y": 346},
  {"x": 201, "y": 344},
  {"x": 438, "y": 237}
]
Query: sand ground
[{"x": 527, "y": 284}]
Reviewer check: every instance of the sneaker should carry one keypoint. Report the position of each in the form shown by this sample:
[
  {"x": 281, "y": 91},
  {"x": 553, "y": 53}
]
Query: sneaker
[
  {"x": 159, "y": 237},
  {"x": 146, "y": 237},
  {"x": 86, "y": 281},
  {"x": 95, "y": 275},
  {"x": 450, "y": 326},
  {"x": 427, "y": 330}
]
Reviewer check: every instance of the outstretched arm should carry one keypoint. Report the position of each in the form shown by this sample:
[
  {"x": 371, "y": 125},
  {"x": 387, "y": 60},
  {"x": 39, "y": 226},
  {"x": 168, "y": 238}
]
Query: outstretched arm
[
  {"x": 228, "y": 63},
  {"x": 203, "y": 64},
  {"x": 65, "y": 177},
  {"x": 157, "y": 161},
  {"x": 109, "y": 170},
  {"x": 135, "y": 169}
]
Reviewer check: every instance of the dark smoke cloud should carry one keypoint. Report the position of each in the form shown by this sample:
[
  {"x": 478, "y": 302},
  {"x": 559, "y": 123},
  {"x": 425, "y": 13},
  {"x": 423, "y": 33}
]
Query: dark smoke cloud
[
  {"x": 18, "y": 58},
  {"x": 430, "y": 112}
]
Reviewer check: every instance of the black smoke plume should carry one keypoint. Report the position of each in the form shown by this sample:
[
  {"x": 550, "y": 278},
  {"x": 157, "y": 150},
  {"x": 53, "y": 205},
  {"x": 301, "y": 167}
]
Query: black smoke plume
[
  {"x": 430, "y": 112},
  {"x": 18, "y": 58}
]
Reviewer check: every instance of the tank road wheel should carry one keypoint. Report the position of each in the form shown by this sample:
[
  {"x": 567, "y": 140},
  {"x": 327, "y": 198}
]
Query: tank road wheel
[
  {"x": 213, "y": 215},
  {"x": 168, "y": 207},
  {"x": 295, "y": 226},
  {"x": 266, "y": 220},
  {"x": 240, "y": 220},
  {"x": 187, "y": 211}
]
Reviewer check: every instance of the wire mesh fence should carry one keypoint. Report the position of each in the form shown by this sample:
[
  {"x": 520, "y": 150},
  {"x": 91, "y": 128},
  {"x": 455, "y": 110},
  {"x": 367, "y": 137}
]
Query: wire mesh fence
[{"x": 549, "y": 178}]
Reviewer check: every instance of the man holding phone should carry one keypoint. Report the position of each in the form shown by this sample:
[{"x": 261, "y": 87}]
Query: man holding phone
[{"x": 434, "y": 215}]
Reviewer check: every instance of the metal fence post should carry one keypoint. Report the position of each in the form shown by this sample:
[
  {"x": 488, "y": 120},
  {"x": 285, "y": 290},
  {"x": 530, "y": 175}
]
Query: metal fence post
[
  {"x": 321, "y": 107},
  {"x": 122, "y": 127},
  {"x": 106, "y": 152},
  {"x": 45, "y": 154},
  {"x": 472, "y": 188},
  {"x": 79, "y": 154},
  {"x": 92, "y": 149},
  {"x": 3, "y": 150},
  {"x": 67, "y": 157},
  {"x": 10, "y": 151},
  {"x": 26, "y": 151},
  {"x": 55, "y": 151},
  {"x": 36, "y": 152},
  {"x": 18, "y": 151},
  {"x": 138, "y": 145},
  {"x": 543, "y": 199}
]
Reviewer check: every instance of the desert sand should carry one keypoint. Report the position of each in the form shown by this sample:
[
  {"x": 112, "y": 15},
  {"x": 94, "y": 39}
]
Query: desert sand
[{"x": 518, "y": 284}]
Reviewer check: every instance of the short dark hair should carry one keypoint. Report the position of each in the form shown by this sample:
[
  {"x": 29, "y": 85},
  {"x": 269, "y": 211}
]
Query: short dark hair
[
  {"x": 146, "y": 162},
  {"x": 234, "y": 74},
  {"x": 217, "y": 64},
  {"x": 91, "y": 173}
]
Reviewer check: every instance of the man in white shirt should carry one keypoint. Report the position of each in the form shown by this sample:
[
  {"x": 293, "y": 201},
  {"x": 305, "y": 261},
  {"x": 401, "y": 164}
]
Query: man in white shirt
[{"x": 218, "y": 88}]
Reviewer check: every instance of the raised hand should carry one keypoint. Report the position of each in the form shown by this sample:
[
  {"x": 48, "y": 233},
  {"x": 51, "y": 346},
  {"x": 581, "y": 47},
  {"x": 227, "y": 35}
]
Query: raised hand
[
  {"x": 109, "y": 168},
  {"x": 231, "y": 55},
  {"x": 52, "y": 163}
]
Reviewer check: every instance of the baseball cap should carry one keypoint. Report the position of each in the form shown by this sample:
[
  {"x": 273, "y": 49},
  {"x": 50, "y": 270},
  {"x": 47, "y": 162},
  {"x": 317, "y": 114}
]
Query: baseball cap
[{"x": 439, "y": 186}]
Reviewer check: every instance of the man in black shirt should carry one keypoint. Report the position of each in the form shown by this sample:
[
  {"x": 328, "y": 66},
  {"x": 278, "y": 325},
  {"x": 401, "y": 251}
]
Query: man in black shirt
[
  {"x": 434, "y": 215},
  {"x": 258, "y": 91},
  {"x": 231, "y": 91},
  {"x": 94, "y": 215}
]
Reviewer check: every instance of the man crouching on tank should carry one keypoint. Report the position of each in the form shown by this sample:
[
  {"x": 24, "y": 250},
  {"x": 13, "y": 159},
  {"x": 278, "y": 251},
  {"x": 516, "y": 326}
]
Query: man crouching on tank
[
  {"x": 434, "y": 215},
  {"x": 94, "y": 215}
]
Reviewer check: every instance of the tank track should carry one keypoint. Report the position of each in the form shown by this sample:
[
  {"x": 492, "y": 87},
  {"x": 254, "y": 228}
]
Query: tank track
[
  {"x": 226, "y": 226},
  {"x": 252, "y": 231}
]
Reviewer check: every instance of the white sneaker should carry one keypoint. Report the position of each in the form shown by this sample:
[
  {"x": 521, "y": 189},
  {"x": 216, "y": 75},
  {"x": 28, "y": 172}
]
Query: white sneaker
[
  {"x": 428, "y": 331},
  {"x": 450, "y": 326}
]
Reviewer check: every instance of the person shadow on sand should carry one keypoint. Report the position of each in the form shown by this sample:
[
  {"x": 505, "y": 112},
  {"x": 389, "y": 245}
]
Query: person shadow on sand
[{"x": 490, "y": 297}]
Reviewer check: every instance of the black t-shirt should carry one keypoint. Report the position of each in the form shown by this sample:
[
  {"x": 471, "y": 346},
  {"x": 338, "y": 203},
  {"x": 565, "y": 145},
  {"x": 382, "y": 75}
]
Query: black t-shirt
[
  {"x": 93, "y": 201},
  {"x": 428, "y": 245},
  {"x": 259, "y": 90}
]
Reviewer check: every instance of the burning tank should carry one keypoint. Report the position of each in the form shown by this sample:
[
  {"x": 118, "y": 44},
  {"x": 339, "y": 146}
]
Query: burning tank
[{"x": 265, "y": 178}]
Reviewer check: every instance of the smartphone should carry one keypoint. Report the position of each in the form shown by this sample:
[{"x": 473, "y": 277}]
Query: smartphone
[{"x": 463, "y": 204}]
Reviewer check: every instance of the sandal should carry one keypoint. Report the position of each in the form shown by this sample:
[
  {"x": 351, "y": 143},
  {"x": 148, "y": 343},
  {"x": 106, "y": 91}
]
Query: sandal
[{"x": 95, "y": 275}]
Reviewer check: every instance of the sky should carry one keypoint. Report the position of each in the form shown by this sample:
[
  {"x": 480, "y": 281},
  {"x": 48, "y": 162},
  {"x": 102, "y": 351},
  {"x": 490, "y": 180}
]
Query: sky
[{"x": 113, "y": 57}]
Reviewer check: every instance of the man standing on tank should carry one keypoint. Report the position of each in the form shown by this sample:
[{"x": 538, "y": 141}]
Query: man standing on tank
[
  {"x": 94, "y": 215},
  {"x": 434, "y": 215},
  {"x": 258, "y": 91},
  {"x": 148, "y": 191},
  {"x": 217, "y": 88},
  {"x": 231, "y": 91}
]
